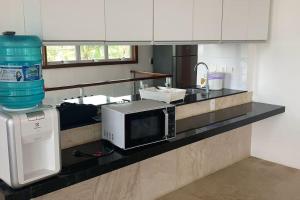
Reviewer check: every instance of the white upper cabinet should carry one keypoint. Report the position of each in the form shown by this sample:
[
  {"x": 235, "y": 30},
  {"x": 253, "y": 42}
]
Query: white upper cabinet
[
  {"x": 258, "y": 20},
  {"x": 173, "y": 20},
  {"x": 245, "y": 19},
  {"x": 235, "y": 17},
  {"x": 129, "y": 20},
  {"x": 33, "y": 23},
  {"x": 73, "y": 20},
  {"x": 207, "y": 20},
  {"x": 137, "y": 20},
  {"x": 12, "y": 16}
]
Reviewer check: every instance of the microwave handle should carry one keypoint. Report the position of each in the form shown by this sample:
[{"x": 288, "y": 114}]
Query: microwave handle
[{"x": 166, "y": 123}]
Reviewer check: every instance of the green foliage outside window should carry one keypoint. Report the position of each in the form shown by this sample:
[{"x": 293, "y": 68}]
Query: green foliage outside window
[
  {"x": 119, "y": 52},
  {"x": 73, "y": 53},
  {"x": 61, "y": 53},
  {"x": 92, "y": 52}
]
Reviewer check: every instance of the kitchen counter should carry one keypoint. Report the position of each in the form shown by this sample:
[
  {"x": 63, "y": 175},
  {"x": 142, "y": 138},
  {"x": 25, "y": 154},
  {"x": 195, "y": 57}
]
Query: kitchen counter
[
  {"x": 99, "y": 100},
  {"x": 202, "y": 96},
  {"x": 102, "y": 100},
  {"x": 189, "y": 130}
]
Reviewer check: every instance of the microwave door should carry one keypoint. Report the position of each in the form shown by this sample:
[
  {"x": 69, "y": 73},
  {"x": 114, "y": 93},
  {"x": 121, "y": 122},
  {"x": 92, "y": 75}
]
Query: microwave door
[{"x": 145, "y": 128}]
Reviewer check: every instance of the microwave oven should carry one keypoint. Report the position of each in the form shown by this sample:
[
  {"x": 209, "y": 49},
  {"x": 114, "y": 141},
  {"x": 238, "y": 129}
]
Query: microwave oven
[{"x": 138, "y": 123}]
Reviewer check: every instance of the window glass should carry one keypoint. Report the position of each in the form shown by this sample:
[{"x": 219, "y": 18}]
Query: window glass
[
  {"x": 92, "y": 52},
  {"x": 84, "y": 55},
  {"x": 61, "y": 53},
  {"x": 119, "y": 52}
]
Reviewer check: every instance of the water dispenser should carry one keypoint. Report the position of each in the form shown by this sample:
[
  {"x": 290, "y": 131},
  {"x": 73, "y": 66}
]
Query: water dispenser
[{"x": 29, "y": 145}]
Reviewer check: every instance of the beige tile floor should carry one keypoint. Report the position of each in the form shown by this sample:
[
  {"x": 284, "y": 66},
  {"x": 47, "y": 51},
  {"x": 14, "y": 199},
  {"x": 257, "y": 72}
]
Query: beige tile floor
[{"x": 250, "y": 179}]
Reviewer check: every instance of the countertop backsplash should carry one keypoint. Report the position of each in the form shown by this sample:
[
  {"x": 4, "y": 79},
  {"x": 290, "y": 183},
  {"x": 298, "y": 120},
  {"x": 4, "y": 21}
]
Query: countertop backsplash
[{"x": 231, "y": 59}]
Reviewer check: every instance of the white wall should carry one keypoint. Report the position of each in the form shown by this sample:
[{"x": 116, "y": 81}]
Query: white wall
[
  {"x": 81, "y": 75},
  {"x": 229, "y": 58},
  {"x": 276, "y": 80}
]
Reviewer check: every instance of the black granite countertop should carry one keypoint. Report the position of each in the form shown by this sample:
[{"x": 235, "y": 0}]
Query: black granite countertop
[
  {"x": 189, "y": 130},
  {"x": 202, "y": 96},
  {"x": 98, "y": 101}
]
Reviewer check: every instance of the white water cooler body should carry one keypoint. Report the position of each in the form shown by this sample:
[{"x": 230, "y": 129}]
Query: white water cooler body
[{"x": 29, "y": 145}]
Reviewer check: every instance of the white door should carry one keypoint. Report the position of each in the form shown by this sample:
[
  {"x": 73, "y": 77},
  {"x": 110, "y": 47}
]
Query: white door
[
  {"x": 207, "y": 20},
  {"x": 173, "y": 20},
  {"x": 245, "y": 19},
  {"x": 12, "y": 16},
  {"x": 129, "y": 20},
  {"x": 73, "y": 19}
]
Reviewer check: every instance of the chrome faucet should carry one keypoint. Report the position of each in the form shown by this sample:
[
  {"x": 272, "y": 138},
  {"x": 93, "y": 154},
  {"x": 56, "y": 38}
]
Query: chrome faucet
[{"x": 207, "y": 72}]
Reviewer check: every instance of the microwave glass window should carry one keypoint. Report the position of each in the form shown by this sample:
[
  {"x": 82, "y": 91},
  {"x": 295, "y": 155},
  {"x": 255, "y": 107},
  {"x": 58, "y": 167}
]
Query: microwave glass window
[{"x": 144, "y": 128}]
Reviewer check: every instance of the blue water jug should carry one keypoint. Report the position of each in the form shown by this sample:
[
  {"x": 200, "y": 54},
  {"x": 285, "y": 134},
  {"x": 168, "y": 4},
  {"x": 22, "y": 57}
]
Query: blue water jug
[{"x": 21, "y": 82}]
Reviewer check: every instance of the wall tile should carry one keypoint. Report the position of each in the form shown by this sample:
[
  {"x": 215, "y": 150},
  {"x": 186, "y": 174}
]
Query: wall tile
[
  {"x": 158, "y": 175},
  {"x": 229, "y": 58},
  {"x": 207, "y": 156},
  {"x": 81, "y": 135},
  {"x": 84, "y": 190},
  {"x": 193, "y": 109},
  {"x": 223, "y": 150},
  {"x": 188, "y": 165},
  {"x": 234, "y": 100},
  {"x": 122, "y": 184},
  {"x": 181, "y": 195}
]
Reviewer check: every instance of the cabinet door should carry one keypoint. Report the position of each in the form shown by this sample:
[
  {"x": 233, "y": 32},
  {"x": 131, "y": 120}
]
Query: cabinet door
[
  {"x": 173, "y": 20},
  {"x": 235, "y": 18},
  {"x": 258, "y": 20},
  {"x": 129, "y": 20},
  {"x": 207, "y": 20},
  {"x": 73, "y": 20},
  {"x": 11, "y": 16},
  {"x": 245, "y": 19},
  {"x": 32, "y": 17}
]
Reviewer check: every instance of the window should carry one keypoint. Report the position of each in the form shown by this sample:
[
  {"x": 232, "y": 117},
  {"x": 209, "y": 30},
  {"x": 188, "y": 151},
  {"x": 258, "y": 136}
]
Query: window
[
  {"x": 92, "y": 52},
  {"x": 60, "y": 56}
]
